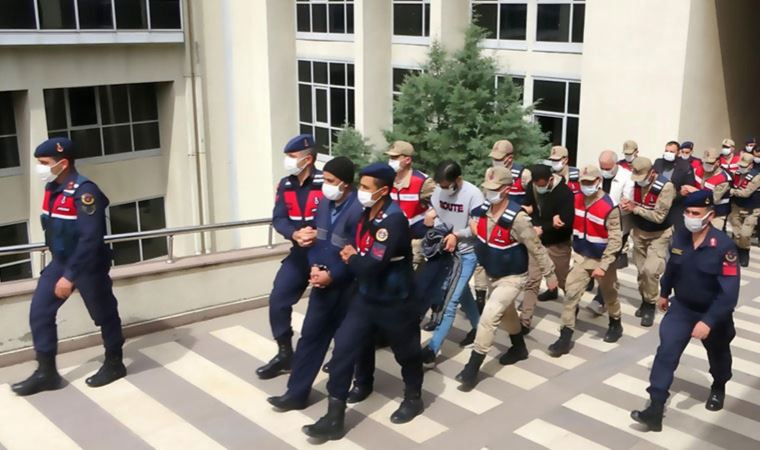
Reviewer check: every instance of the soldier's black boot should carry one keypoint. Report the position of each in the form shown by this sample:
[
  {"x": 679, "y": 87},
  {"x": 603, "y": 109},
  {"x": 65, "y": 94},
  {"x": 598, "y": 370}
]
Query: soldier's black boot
[
  {"x": 717, "y": 397},
  {"x": 330, "y": 426},
  {"x": 549, "y": 294},
  {"x": 480, "y": 300},
  {"x": 651, "y": 417},
  {"x": 112, "y": 369},
  {"x": 468, "y": 377},
  {"x": 744, "y": 257},
  {"x": 410, "y": 408},
  {"x": 563, "y": 345},
  {"x": 280, "y": 363},
  {"x": 517, "y": 352},
  {"x": 45, "y": 378},
  {"x": 288, "y": 402},
  {"x": 614, "y": 331},
  {"x": 358, "y": 393},
  {"x": 647, "y": 314}
]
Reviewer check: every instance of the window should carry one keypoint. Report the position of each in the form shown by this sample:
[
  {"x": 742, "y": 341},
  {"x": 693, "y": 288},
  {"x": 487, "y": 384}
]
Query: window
[
  {"x": 90, "y": 14},
  {"x": 144, "y": 215},
  {"x": 325, "y": 98},
  {"x": 323, "y": 16},
  {"x": 399, "y": 76},
  {"x": 560, "y": 21},
  {"x": 502, "y": 19},
  {"x": 9, "y": 156},
  {"x": 519, "y": 81},
  {"x": 557, "y": 111},
  {"x": 105, "y": 120},
  {"x": 14, "y": 267},
  {"x": 411, "y": 18}
]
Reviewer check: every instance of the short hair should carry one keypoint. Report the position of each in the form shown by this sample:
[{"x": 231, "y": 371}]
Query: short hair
[
  {"x": 381, "y": 183},
  {"x": 540, "y": 172},
  {"x": 448, "y": 170},
  {"x": 673, "y": 143}
]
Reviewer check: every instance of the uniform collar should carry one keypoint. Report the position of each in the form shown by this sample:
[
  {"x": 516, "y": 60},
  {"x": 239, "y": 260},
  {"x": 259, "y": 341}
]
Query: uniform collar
[
  {"x": 55, "y": 187},
  {"x": 294, "y": 178},
  {"x": 405, "y": 182}
]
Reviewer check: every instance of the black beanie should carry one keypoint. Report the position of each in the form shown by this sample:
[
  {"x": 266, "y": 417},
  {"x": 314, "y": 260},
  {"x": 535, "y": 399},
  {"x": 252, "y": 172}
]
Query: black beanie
[{"x": 342, "y": 168}]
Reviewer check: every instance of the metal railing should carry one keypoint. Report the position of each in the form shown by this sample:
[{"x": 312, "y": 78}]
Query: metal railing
[{"x": 168, "y": 233}]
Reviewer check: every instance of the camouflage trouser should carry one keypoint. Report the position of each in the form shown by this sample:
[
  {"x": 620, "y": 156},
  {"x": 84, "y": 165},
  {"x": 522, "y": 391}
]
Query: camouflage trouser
[
  {"x": 743, "y": 222},
  {"x": 480, "y": 279},
  {"x": 649, "y": 253}
]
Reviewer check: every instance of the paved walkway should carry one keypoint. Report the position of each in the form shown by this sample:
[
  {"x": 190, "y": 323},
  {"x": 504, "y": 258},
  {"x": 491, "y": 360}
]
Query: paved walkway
[{"x": 194, "y": 387}]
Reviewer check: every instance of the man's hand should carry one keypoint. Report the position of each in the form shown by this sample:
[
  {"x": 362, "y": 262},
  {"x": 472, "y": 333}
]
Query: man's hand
[
  {"x": 63, "y": 288},
  {"x": 528, "y": 209},
  {"x": 430, "y": 217},
  {"x": 320, "y": 278},
  {"x": 687, "y": 189},
  {"x": 347, "y": 252},
  {"x": 701, "y": 331},
  {"x": 305, "y": 237},
  {"x": 539, "y": 231},
  {"x": 627, "y": 205},
  {"x": 474, "y": 227},
  {"x": 662, "y": 304},
  {"x": 557, "y": 222},
  {"x": 450, "y": 242},
  {"x": 598, "y": 273}
]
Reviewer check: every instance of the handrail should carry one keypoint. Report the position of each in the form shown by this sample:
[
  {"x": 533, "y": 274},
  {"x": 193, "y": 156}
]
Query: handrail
[{"x": 168, "y": 233}]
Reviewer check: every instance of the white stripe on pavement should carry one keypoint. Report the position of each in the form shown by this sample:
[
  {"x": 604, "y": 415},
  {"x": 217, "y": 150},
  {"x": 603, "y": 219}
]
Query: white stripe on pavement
[
  {"x": 551, "y": 436},
  {"x": 742, "y": 365}
]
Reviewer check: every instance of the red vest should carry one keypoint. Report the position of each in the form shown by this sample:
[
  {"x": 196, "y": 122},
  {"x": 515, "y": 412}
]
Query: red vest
[
  {"x": 500, "y": 238},
  {"x": 714, "y": 180},
  {"x": 296, "y": 211},
  {"x": 730, "y": 163},
  {"x": 517, "y": 184},
  {"x": 573, "y": 179},
  {"x": 625, "y": 164},
  {"x": 63, "y": 207},
  {"x": 590, "y": 234},
  {"x": 408, "y": 199}
]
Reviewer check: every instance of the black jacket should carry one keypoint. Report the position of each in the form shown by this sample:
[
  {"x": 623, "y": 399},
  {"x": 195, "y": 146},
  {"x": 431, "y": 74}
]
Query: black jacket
[{"x": 559, "y": 201}]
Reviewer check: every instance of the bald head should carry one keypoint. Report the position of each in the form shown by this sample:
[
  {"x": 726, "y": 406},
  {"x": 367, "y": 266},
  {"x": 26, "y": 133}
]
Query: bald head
[{"x": 608, "y": 164}]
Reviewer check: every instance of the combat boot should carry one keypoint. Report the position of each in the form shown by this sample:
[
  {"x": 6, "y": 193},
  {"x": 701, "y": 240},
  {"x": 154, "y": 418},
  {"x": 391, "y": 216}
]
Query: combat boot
[
  {"x": 330, "y": 426},
  {"x": 288, "y": 402},
  {"x": 744, "y": 257},
  {"x": 517, "y": 352},
  {"x": 549, "y": 294},
  {"x": 45, "y": 378},
  {"x": 716, "y": 399},
  {"x": 280, "y": 363},
  {"x": 358, "y": 393},
  {"x": 410, "y": 408},
  {"x": 468, "y": 377},
  {"x": 647, "y": 314},
  {"x": 614, "y": 331},
  {"x": 112, "y": 369},
  {"x": 480, "y": 300},
  {"x": 563, "y": 345},
  {"x": 651, "y": 417}
]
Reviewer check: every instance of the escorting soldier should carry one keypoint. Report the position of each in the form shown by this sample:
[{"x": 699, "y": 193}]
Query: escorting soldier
[
  {"x": 630, "y": 152},
  {"x": 331, "y": 281},
  {"x": 729, "y": 160},
  {"x": 74, "y": 220},
  {"x": 298, "y": 196},
  {"x": 653, "y": 197},
  {"x": 712, "y": 177},
  {"x": 384, "y": 303},
  {"x": 597, "y": 240},
  {"x": 505, "y": 239},
  {"x": 686, "y": 153},
  {"x": 745, "y": 205},
  {"x": 558, "y": 159},
  {"x": 412, "y": 189},
  {"x": 503, "y": 154},
  {"x": 702, "y": 271}
]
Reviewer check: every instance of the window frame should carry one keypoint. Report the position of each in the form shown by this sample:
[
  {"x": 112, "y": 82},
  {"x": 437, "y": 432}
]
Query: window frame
[
  {"x": 136, "y": 204},
  {"x": 558, "y": 115},
  {"x": 504, "y": 44},
  {"x": 106, "y": 158},
  {"x": 559, "y": 47},
  {"x": 316, "y": 85},
  {"x": 514, "y": 75},
  {"x": 319, "y": 36},
  {"x": 27, "y": 260},
  {"x": 394, "y": 93},
  {"x": 13, "y": 170},
  {"x": 411, "y": 40}
]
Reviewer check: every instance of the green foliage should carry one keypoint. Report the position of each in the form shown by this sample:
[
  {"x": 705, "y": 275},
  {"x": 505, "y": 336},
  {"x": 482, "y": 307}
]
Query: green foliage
[
  {"x": 452, "y": 110},
  {"x": 351, "y": 144}
]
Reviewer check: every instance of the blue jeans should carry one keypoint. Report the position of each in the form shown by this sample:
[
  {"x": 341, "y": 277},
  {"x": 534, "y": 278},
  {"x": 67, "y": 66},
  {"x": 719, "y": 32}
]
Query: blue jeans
[{"x": 461, "y": 294}]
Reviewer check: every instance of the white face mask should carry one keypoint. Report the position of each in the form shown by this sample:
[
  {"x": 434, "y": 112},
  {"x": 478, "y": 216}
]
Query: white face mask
[
  {"x": 643, "y": 183},
  {"x": 46, "y": 172},
  {"x": 695, "y": 224},
  {"x": 608, "y": 174},
  {"x": 365, "y": 198},
  {"x": 685, "y": 156},
  {"x": 669, "y": 157},
  {"x": 748, "y": 148},
  {"x": 331, "y": 191},
  {"x": 557, "y": 165},
  {"x": 708, "y": 167},
  {"x": 497, "y": 163},
  {"x": 588, "y": 191},
  {"x": 493, "y": 196},
  {"x": 725, "y": 151},
  {"x": 395, "y": 164},
  {"x": 756, "y": 160},
  {"x": 542, "y": 189},
  {"x": 451, "y": 190},
  {"x": 630, "y": 157},
  {"x": 291, "y": 165}
]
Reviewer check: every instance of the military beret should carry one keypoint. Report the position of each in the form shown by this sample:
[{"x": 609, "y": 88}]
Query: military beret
[
  {"x": 381, "y": 171},
  {"x": 300, "y": 143},
  {"x": 699, "y": 198},
  {"x": 687, "y": 144},
  {"x": 56, "y": 148}
]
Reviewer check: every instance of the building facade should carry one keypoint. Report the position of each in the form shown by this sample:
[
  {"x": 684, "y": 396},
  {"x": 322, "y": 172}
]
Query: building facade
[{"x": 181, "y": 107}]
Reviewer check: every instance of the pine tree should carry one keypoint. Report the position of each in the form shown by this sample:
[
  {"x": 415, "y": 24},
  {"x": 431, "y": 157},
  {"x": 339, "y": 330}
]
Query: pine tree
[
  {"x": 351, "y": 144},
  {"x": 453, "y": 110}
]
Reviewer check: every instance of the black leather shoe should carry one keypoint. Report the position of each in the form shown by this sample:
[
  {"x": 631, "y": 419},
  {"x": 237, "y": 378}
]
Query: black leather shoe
[
  {"x": 45, "y": 378},
  {"x": 410, "y": 408},
  {"x": 517, "y": 352},
  {"x": 651, "y": 417},
  {"x": 430, "y": 325},
  {"x": 469, "y": 339},
  {"x": 330, "y": 426},
  {"x": 716, "y": 399},
  {"x": 358, "y": 394},
  {"x": 111, "y": 370},
  {"x": 287, "y": 402},
  {"x": 549, "y": 294},
  {"x": 280, "y": 363},
  {"x": 469, "y": 375},
  {"x": 647, "y": 314},
  {"x": 428, "y": 358}
]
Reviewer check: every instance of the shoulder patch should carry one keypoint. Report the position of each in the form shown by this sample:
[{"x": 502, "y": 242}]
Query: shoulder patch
[
  {"x": 730, "y": 266},
  {"x": 381, "y": 235},
  {"x": 88, "y": 199}
]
